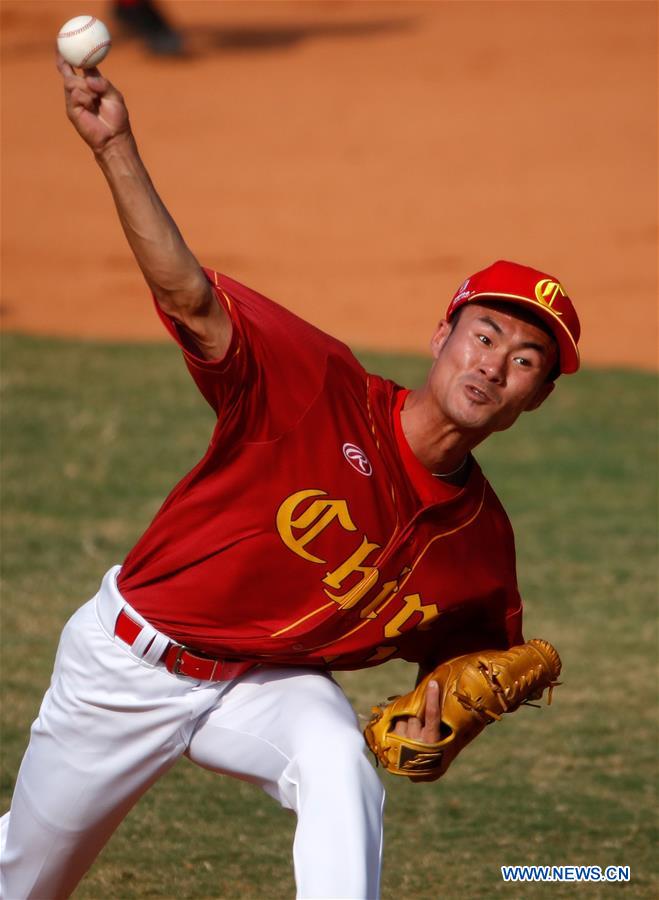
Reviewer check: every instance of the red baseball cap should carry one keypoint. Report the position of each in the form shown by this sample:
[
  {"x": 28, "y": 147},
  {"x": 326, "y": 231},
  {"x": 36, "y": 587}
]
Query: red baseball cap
[{"x": 537, "y": 291}]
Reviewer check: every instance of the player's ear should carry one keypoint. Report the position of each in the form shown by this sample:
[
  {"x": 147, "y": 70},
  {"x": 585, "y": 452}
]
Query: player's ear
[
  {"x": 440, "y": 337},
  {"x": 540, "y": 396}
]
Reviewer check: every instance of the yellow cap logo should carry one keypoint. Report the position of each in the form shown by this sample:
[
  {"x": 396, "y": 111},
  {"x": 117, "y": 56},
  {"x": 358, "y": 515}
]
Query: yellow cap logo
[{"x": 546, "y": 291}]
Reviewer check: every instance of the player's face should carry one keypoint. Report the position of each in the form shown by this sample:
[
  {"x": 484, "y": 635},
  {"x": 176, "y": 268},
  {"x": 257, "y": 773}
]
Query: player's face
[{"x": 491, "y": 366}]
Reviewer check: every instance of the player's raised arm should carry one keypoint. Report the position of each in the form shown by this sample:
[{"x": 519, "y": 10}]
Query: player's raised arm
[{"x": 99, "y": 115}]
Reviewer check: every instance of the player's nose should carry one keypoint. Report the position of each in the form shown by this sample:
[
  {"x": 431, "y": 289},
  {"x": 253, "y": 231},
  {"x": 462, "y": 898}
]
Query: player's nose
[{"x": 493, "y": 367}]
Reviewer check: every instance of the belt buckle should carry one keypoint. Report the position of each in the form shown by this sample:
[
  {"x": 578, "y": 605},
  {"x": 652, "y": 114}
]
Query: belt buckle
[{"x": 176, "y": 666}]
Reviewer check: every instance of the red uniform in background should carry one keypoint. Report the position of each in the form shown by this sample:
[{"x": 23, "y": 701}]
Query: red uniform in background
[{"x": 309, "y": 534}]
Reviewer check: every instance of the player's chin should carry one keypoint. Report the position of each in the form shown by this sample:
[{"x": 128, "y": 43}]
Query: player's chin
[
  {"x": 484, "y": 417},
  {"x": 473, "y": 417}
]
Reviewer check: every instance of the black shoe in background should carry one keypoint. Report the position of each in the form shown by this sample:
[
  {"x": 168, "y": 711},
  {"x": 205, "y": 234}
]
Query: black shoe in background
[{"x": 143, "y": 19}]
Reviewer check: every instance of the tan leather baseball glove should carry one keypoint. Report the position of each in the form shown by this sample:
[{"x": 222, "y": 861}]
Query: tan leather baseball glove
[{"x": 474, "y": 690}]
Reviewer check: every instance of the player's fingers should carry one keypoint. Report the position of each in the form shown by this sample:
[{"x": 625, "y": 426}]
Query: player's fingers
[
  {"x": 404, "y": 726},
  {"x": 415, "y": 729},
  {"x": 410, "y": 727},
  {"x": 81, "y": 97},
  {"x": 89, "y": 79},
  {"x": 95, "y": 80},
  {"x": 432, "y": 718},
  {"x": 62, "y": 65},
  {"x": 102, "y": 86},
  {"x": 82, "y": 91},
  {"x": 74, "y": 81}
]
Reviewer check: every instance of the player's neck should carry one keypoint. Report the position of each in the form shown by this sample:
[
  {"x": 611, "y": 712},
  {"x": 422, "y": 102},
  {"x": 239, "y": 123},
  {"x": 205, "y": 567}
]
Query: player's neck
[{"x": 435, "y": 440}]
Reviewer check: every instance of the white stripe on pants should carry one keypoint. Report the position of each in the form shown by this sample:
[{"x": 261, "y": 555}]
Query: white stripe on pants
[{"x": 111, "y": 724}]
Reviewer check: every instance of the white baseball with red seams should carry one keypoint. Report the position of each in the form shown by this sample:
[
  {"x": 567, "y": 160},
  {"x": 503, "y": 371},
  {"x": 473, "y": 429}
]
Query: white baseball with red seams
[{"x": 84, "y": 41}]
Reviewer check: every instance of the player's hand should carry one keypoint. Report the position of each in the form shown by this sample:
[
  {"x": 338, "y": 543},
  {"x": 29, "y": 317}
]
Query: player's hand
[
  {"x": 426, "y": 730},
  {"x": 94, "y": 106}
]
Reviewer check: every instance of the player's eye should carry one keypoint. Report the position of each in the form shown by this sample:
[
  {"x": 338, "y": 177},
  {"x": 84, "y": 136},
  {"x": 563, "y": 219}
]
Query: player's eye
[
  {"x": 484, "y": 339},
  {"x": 522, "y": 361}
]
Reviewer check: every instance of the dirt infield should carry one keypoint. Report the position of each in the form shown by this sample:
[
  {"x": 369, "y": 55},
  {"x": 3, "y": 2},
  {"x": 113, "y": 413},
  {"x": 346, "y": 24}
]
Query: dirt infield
[{"x": 354, "y": 160}]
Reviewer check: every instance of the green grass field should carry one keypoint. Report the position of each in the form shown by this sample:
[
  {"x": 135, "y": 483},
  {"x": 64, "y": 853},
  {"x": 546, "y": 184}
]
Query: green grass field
[{"x": 93, "y": 437}]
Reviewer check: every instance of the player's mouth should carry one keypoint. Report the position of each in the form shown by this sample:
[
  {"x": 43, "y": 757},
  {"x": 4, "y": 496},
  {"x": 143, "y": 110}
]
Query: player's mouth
[{"x": 477, "y": 395}]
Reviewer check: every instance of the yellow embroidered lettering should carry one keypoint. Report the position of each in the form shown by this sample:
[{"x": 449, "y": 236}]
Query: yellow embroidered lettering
[
  {"x": 353, "y": 564},
  {"x": 388, "y": 588},
  {"x": 546, "y": 292},
  {"x": 413, "y": 604},
  {"x": 314, "y": 519}
]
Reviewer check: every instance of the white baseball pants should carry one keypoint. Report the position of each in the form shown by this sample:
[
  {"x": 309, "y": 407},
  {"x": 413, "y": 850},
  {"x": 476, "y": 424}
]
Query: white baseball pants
[{"x": 111, "y": 723}]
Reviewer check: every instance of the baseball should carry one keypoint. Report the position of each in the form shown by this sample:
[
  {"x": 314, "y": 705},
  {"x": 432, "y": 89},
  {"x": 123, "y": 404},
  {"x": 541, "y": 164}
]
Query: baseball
[{"x": 84, "y": 41}]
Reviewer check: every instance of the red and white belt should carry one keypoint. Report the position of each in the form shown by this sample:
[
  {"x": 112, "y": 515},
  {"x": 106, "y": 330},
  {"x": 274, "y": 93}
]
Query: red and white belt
[{"x": 181, "y": 660}]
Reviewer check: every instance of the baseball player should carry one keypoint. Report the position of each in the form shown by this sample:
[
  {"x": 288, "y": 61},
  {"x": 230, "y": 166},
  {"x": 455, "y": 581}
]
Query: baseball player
[{"x": 335, "y": 521}]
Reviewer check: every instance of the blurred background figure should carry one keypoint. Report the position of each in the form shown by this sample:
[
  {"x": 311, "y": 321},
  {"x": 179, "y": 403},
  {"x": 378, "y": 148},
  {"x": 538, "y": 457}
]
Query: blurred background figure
[{"x": 144, "y": 19}]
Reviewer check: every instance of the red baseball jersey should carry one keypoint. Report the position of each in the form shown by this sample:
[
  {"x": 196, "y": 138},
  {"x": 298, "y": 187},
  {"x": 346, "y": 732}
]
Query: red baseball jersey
[{"x": 309, "y": 533}]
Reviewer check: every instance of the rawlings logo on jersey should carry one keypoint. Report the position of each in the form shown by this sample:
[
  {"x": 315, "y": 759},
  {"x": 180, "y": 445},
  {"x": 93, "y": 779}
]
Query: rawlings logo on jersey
[{"x": 357, "y": 459}]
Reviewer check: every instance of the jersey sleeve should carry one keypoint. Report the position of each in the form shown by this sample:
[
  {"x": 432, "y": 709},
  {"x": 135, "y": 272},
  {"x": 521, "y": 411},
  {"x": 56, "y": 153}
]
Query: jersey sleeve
[
  {"x": 219, "y": 381},
  {"x": 273, "y": 369}
]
